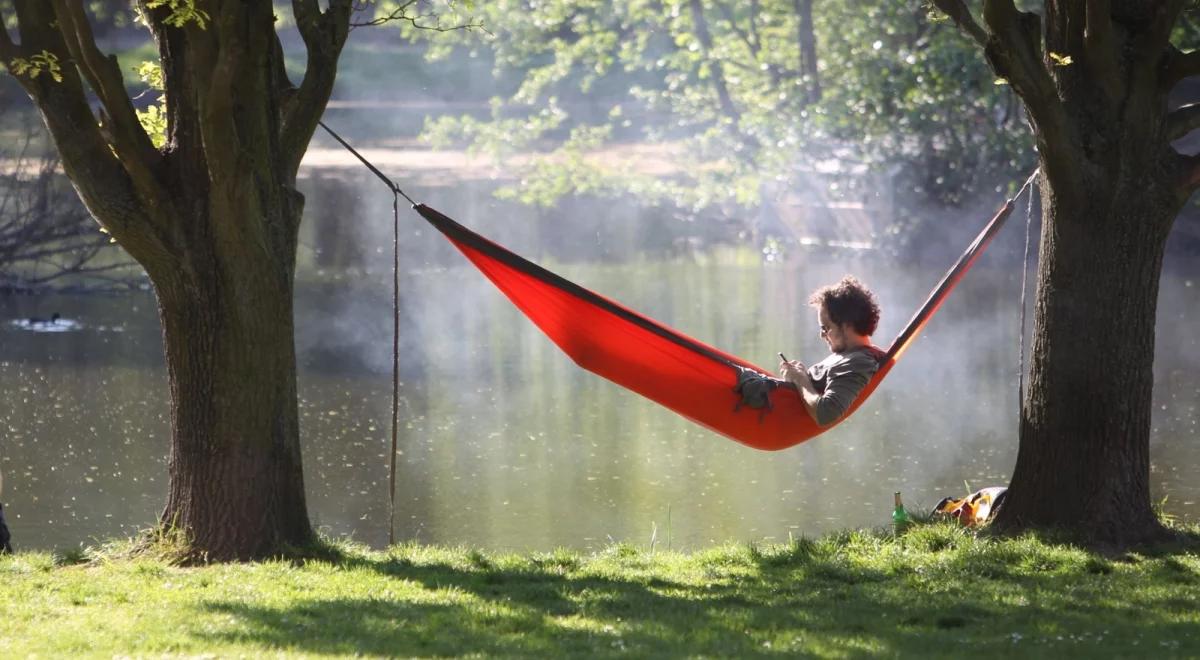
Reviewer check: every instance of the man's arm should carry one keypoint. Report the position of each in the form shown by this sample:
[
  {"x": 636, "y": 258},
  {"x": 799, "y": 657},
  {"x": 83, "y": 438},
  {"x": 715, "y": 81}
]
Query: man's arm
[
  {"x": 843, "y": 388},
  {"x": 844, "y": 383},
  {"x": 796, "y": 374}
]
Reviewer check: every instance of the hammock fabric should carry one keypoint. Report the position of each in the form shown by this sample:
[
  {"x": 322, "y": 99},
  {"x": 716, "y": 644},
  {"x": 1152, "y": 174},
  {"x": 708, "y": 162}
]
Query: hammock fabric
[{"x": 662, "y": 364}]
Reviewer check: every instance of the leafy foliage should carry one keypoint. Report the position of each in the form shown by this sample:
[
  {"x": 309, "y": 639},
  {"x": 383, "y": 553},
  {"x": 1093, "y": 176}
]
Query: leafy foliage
[
  {"x": 723, "y": 87},
  {"x": 182, "y": 12},
  {"x": 154, "y": 118},
  {"x": 34, "y": 66}
]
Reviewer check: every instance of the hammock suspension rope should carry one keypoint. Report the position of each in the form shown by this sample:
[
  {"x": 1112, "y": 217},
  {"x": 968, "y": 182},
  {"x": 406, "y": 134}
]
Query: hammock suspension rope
[
  {"x": 1024, "y": 288},
  {"x": 397, "y": 193}
]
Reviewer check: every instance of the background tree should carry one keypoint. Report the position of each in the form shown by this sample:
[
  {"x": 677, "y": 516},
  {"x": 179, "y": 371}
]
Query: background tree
[
  {"x": 212, "y": 215},
  {"x": 742, "y": 96},
  {"x": 47, "y": 238},
  {"x": 1094, "y": 77}
]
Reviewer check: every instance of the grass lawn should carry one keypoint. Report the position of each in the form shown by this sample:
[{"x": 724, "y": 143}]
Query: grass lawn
[{"x": 935, "y": 591}]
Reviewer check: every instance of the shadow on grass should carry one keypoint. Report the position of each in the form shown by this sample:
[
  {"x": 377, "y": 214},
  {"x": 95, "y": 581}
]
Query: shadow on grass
[{"x": 806, "y": 597}]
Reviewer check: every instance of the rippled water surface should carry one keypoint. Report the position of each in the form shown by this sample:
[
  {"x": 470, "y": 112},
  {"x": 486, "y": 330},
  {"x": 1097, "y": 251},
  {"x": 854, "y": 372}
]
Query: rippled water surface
[{"x": 505, "y": 443}]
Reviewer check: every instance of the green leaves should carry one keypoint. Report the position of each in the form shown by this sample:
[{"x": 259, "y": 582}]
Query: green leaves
[
  {"x": 724, "y": 92},
  {"x": 151, "y": 73},
  {"x": 44, "y": 62},
  {"x": 154, "y": 121},
  {"x": 154, "y": 118},
  {"x": 182, "y": 12}
]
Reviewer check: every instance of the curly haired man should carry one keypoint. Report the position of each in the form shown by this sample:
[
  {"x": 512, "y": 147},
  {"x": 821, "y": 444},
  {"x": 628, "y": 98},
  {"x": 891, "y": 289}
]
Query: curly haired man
[{"x": 848, "y": 315}]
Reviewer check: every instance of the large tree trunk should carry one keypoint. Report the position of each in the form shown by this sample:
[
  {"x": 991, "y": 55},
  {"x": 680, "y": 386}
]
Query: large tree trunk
[
  {"x": 1083, "y": 464},
  {"x": 1094, "y": 82},
  {"x": 213, "y": 217},
  {"x": 237, "y": 486}
]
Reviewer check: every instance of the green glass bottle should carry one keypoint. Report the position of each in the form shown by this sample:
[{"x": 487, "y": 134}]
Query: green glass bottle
[{"x": 900, "y": 519}]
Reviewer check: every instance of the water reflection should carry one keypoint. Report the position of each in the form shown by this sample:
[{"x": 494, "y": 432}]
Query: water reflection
[{"x": 506, "y": 444}]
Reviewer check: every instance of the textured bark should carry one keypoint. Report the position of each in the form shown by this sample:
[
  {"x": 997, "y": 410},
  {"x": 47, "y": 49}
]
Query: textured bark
[
  {"x": 236, "y": 487},
  {"x": 213, "y": 217},
  {"x": 1111, "y": 188},
  {"x": 1083, "y": 463}
]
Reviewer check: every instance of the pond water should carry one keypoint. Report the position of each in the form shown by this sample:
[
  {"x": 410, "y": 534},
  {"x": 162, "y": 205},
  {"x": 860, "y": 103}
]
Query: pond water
[{"x": 506, "y": 444}]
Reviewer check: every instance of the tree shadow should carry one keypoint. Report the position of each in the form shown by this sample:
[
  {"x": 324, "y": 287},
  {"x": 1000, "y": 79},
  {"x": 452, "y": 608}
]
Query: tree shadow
[{"x": 746, "y": 605}]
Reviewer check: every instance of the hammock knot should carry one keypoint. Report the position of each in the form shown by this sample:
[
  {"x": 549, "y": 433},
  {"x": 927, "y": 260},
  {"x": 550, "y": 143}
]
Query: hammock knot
[{"x": 755, "y": 389}]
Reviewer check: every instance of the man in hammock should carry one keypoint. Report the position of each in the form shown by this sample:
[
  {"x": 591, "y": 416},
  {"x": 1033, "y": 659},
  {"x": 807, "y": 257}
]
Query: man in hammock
[{"x": 848, "y": 315}]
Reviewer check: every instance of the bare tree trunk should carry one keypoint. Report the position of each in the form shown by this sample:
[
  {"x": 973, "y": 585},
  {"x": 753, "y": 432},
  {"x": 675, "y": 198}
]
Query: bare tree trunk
[
  {"x": 1083, "y": 464},
  {"x": 237, "y": 486}
]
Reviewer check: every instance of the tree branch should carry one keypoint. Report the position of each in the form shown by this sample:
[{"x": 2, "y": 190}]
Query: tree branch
[
  {"x": 400, "y": 13},
  {"x": 1183, "y": 120},
  {"x": 217, "y": 126},
  {"x": 724, "y": 98},
  {"x": 101, "y": 180},
  {"x": 1158, "y": 37},
  {"x": 751, "y": 43},
  {"x": 1015, "y": 52},
  {"x": 806, "y": 41},
  {"x": 324, "y": 34},
  {"x": 1012, "y": 45},
  {"x": 130, "y": 141},
  {"x": 959, "y": 13},
  {"x": 1100, "y": 50}
]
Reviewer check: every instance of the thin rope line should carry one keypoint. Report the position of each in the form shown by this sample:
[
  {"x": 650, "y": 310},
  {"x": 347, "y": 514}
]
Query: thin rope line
[
  {"x": 397, "y": 193},
  {"x": 395, "y": 365},
  {"x": 1024, "y": 288},
  {"x": 390, "y": 184}
]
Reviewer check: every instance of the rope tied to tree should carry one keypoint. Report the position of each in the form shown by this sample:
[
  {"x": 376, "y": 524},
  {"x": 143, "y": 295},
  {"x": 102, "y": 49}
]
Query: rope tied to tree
[
  {"x": 1024, "y": 287},
  {"x": 397, "y": 193}
]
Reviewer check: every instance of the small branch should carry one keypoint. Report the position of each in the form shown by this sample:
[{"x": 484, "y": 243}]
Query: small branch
[
  {"x": 1183, "y": 120},
  {"x": 400, "y": 13},
  {"x": 745, "y": 36},
  {"x": 324, "y": 35},
  {"x": 959, "y": 13}
]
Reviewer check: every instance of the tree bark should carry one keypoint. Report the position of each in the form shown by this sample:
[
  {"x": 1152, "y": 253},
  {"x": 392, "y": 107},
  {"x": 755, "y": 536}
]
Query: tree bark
[
  {"x": 1083, "y": 464},
  {"x": 237, "y": 485}
]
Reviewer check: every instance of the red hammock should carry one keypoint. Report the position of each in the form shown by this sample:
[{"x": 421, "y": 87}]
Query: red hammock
[{"x": 664, "y": 365}]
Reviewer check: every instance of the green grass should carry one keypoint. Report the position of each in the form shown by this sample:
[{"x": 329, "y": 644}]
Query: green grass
[{"x": 937, "y": 591}]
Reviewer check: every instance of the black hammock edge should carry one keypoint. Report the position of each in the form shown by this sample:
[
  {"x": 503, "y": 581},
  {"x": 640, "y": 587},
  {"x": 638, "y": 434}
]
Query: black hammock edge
[{"x": 461, "y": 234}]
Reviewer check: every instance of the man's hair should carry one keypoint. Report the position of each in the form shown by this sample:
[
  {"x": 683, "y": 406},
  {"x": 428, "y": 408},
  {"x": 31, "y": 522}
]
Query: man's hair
[{"x": 849, "y": 301}]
